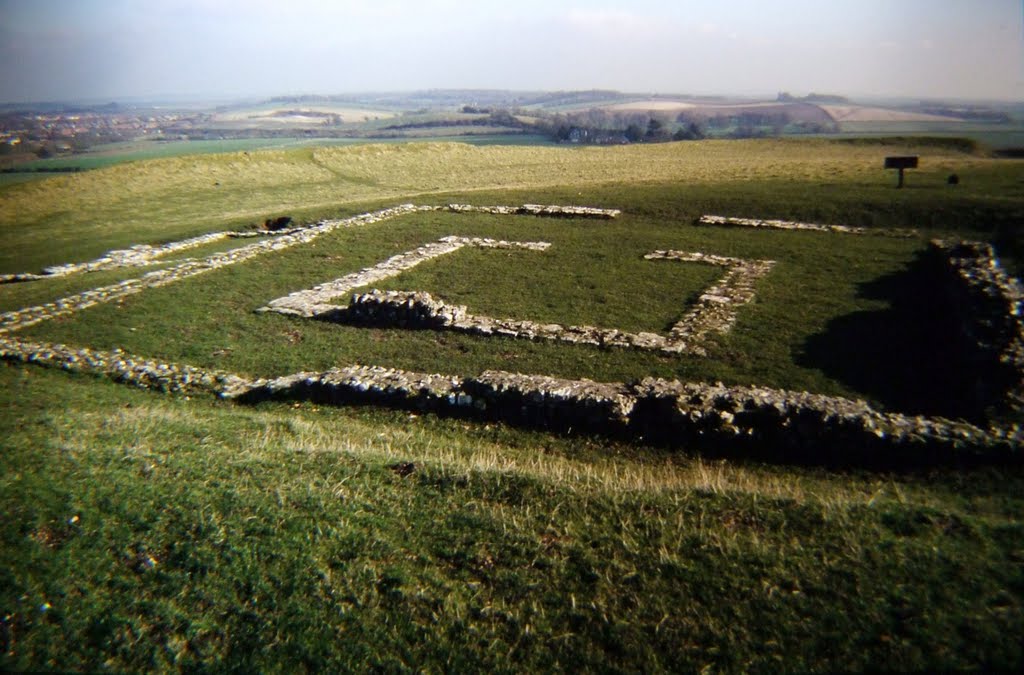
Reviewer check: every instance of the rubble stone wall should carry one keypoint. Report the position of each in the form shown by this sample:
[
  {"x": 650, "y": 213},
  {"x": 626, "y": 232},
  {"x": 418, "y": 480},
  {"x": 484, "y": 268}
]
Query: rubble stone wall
[
  {"x": 536, "y": 210},
  {"x": 141, "y": 255},
  {"x": 317, "y": 302},
  {"x": 784, "y": 425},
  {"x": 715, "y": 310},
  {"x": 795, "y": 225},
  {"x": 417, "y": 309},
  {"x": 15, "y": 320},
  {"x": 990, "y": 307}
]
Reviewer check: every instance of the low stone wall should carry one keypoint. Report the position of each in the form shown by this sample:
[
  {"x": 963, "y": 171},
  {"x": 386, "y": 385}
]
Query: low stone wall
[
  {"x": 141, "y": 255},
  {"x": 552, "y": 211},
  {"x": 772, "y": 423},
  {"x": 252, "y": 234},
  {"x": 786, "y": 425},
  {"x": 135, "y": 256},
  {"x": 120, "y": 366},
  {"x": 12, "y": 321},
  {"x": 357, "y": 384},
  {"x": 990, "y": 306},
  {"x": 552, "y": 403},
  {"x": 800, "y": 426},
  {"x": 417, "y": 309},
  {"x": 795, "y": 225},
  {"x": 715, "y": 310},
  {"x": 138, "y": 255},
  {"x": 318, "y": 301}
]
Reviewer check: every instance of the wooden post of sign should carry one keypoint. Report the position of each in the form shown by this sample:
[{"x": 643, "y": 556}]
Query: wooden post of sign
[{"x": 900, "y": 163}]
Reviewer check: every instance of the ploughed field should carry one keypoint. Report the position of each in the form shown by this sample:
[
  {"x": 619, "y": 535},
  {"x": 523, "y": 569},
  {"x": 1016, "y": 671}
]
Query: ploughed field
[{"x": 148, "y": 530}]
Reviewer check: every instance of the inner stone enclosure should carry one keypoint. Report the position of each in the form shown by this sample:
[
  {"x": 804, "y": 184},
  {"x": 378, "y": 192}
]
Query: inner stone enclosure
[{"x": 714, "y": 312}]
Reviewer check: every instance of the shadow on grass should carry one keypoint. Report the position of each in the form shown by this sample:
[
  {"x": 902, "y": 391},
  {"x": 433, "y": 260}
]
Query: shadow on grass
[{"x": 908, "y": 358}]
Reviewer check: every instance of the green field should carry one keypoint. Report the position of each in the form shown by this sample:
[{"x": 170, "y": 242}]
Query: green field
[
  {"x": 147, "y": 531},
  {"x": 102, "y": 156},
  {"x": 995, "y": 136}
]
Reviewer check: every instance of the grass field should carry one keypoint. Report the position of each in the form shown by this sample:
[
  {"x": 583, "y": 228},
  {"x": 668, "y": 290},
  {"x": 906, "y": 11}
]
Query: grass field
[
  {"x": 132, "y": 151},
  {"x": 996, "y": 136},
  {"x": 80, "y": 216},
  {"x": 145, "y": 531}
]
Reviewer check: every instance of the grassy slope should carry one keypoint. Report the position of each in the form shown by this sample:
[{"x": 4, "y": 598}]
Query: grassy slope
[
  {"x": 80, "y": 216},
  {"x": 145, "y": 533},
  {"x": 150, "y": 532}
]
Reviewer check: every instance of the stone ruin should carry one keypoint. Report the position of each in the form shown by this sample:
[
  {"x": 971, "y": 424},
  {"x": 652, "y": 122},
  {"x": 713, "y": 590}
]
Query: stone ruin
[
  {"x": 771, "y": 423},
  {"x": 715, "y": 310},
  {"x": 317, "y": 302},
  {"x": 795, "y": 225},
  {"x": 141, "y": 255},
  {"x": 990, "y": 308},
  {"x": 780, "y": 424},
  {"x": 552, "y": 211},
  {"x": 15, "y": 320}
]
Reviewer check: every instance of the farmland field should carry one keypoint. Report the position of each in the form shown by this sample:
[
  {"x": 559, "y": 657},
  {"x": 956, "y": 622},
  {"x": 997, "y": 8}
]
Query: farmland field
[
  {"x": 279, "y": 114},
  {"x": 152, "y": 531},
  {"x": 996, "y": 136}
]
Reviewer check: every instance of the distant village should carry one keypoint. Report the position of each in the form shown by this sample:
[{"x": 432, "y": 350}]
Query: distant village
[{"x": 51, "y": 133}]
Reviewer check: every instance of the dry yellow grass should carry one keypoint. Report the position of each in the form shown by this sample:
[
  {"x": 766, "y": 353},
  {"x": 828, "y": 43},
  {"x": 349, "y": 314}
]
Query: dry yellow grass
[
  {"x": 165, "y": 199},
  {"x": 301, "y": 432},
  {"x": 178, "y": 191},
  {"x": 305, "y": 430}
]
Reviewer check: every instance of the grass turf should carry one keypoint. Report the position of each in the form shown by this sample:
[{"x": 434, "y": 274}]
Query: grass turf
[
  {"x": 145, "y": 533},
  {"x": 148, "y": 532}
]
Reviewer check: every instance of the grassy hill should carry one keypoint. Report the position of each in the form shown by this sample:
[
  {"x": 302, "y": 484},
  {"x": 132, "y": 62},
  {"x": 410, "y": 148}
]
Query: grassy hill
[{"x": 146, "y": 531}]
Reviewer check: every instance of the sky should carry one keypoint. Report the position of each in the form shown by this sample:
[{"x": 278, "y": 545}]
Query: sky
[{"x": 68, "y": 50}]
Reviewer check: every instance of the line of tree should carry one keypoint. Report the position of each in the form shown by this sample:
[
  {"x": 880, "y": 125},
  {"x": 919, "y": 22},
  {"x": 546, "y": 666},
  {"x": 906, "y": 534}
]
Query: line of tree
[
  {"x": 834, "y": 99},
  {"x": 602, "y": 126}
]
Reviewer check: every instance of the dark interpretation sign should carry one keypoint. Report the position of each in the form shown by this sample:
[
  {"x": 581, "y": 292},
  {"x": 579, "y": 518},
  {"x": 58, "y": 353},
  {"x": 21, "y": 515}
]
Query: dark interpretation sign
[{"x": 901, "y": 162}]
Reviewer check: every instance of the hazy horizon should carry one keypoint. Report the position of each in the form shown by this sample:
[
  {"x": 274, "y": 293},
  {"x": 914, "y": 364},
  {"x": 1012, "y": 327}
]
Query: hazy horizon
[{"x": 93, "y": 50}]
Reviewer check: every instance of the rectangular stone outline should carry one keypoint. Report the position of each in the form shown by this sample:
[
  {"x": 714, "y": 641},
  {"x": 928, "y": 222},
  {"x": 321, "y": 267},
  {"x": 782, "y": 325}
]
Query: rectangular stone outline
[
  {"x": 316, "y": 302},
  {"x": 711, "y": 411},
  {"x": 715, "y": 310}
]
